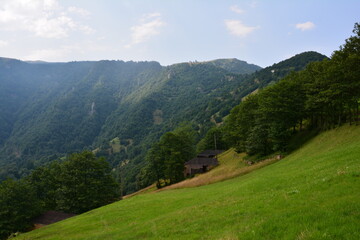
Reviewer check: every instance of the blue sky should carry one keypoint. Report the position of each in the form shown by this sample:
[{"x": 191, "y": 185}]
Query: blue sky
[{"x": 173, "y": 31}]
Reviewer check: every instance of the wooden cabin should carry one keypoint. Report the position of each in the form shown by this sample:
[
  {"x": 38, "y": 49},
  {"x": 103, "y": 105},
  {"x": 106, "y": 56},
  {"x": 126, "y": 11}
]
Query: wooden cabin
[{"x": 203, "y": 162}]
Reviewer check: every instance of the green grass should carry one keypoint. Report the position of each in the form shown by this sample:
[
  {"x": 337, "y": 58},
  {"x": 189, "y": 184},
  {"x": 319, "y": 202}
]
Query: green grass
[
  {"x": 311, "y": 194},
  {"x": 115, "y": 145},
  {"x": 231, "y": 164}
]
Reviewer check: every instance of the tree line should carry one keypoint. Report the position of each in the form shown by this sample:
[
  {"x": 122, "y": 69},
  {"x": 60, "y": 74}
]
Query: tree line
[
  {"x": 78, "y": 184},
  {"x": 324, "y": 95}
]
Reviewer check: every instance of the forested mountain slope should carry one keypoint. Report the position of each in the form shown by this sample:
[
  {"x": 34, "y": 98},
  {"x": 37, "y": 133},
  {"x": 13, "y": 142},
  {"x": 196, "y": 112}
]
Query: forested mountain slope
[
  {"x": 118, "y": 109},
  {"x": 274, "y": 73},
  {"x": 63, "y": 105},
  {"x": 198, "y": 93}
]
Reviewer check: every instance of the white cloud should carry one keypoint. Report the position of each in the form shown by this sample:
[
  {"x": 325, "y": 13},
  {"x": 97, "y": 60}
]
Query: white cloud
[
  {"x": 149, "y": 26},
  {"x": 44, "y": 18},
  {"x": 239, "y": 29},
  {"x": 3, "y": 43},
  {"x": 236, "y": 9},
  {"x": 53, "y": 27},
  {"x": 82, "y": 12},
  {"x": 151, "y": 15},
  {"x": 305, "y": 26}
]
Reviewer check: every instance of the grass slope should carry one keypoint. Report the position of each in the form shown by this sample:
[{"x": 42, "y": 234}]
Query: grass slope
[
  {"x": 311, "y": 194},
  {"x": 231, "y": 164}
]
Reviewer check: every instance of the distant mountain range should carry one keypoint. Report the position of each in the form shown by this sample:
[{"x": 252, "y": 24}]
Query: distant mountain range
[{"x": 115, "y": 108}]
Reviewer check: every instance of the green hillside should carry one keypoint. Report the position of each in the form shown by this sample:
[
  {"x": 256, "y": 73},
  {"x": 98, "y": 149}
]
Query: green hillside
[
  {"x": 199, "y": 93},
  {"x": 49, "y": 110},
  {"x": 311, "y": 194}
]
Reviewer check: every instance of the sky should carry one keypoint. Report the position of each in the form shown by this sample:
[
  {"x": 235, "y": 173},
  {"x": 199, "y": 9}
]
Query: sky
[{"x": 172, "y": 31}]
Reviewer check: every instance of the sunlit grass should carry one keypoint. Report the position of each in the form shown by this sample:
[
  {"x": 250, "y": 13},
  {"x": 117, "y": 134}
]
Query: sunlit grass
[
  {"x": 231, "y": 164},
  {"x": 311, "y": 194}
]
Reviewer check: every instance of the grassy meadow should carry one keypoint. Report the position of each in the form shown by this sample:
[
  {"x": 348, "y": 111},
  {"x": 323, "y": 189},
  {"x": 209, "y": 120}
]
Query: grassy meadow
[{"x": 314, "y": 193}]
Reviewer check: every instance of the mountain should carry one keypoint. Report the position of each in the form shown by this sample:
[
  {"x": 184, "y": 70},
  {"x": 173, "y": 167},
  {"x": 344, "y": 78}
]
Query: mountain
[
  {"x": 274, "y": 73},
  {"x": 118, "y": 109},
  {"x": 235, "y": 66},
  {"x": 61, "y": 107}
]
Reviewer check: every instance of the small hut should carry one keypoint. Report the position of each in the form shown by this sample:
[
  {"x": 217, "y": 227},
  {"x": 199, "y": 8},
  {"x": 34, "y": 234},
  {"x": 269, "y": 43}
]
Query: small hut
[{"x": 203, "y": 162}]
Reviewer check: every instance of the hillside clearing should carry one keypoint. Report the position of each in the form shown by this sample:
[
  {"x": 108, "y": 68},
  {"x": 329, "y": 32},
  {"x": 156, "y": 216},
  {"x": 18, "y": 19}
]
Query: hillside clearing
[
  {"x": 311, "y": 194},
  {"x": 231, "y": 164}
]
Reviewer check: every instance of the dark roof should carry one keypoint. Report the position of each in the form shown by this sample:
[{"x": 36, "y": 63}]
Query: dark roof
[
  {"x": 210, "y": 153},
  {"x": 50, "y": 217},
  {"x": 202, "y": 161}
]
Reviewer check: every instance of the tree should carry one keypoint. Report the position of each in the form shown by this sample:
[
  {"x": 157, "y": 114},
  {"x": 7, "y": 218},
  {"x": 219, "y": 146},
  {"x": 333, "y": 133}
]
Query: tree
[
  {"x": 214, "y": 139},
  {"x": 167, "y": 157},
  {"x": 46, "y": 182},
  {"x": 156, "y": 164},
  {"x": 347, "y": 60},
  {"x": 282, "y": 105},
  {"x": 258, "y": 142},
  {"x": 240, "y": 122},
  {"x": 144, "y": 178},
  {"x": 173, "y": 148},
  {"x": 86, "y": 183},
  {"x": 18, "y": 205},
  {"x": 186, "y": 134}
]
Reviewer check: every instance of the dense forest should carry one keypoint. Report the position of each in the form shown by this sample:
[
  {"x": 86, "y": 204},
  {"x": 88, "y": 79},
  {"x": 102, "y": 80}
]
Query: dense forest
[
  {"x": 76, "y": 184},
  {"x": 111, "y": 107}
]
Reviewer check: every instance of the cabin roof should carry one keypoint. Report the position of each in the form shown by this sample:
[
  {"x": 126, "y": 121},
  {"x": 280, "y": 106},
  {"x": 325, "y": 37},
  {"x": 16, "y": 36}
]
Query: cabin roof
[
  {"x": 202, "y": 161},
  {"x": 209, "y": 153}
]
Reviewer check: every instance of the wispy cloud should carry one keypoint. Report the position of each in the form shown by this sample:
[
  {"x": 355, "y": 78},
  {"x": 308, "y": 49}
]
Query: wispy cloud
[
  {"x": 80, "y": 11},
  {"x": 237, "y": 28},
  {"x": 61, "y": 53},
  {"x": 44, "y": 18},
  {"x": 236, "y": 9},
  {"x": 48, "y": 54},
  {"x": 305, "y": 26},
  {"x": 148, "y": 27},
  {"x": 3, "y": 43},
  {"x": 253, "y": 4}
]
